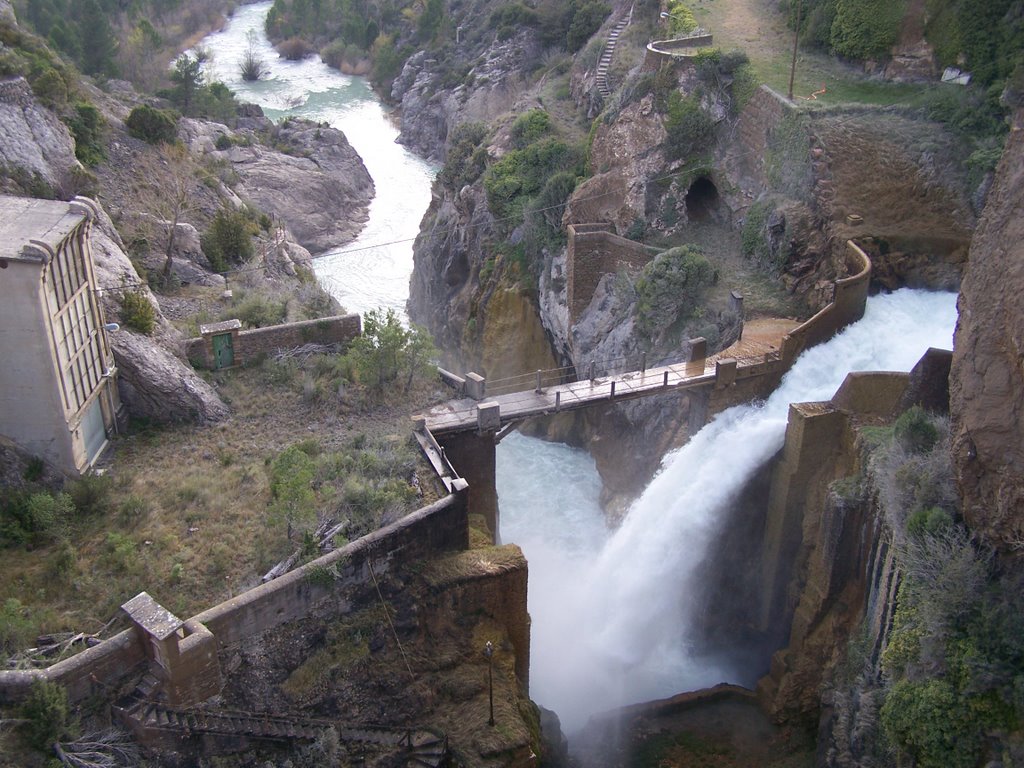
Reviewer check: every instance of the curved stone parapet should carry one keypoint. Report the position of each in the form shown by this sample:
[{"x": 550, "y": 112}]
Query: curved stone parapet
[
  {"x": 659, "y": 51},
  {"x": 849, "y": 298}
]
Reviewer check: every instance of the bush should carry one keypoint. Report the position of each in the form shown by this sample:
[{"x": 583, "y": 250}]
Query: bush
[
  {"x": 17, "y": 630},
  {"x": 295, "y": 49},
  {"x": 259, "y": 312},
  {"x": 688, "y": 127},
  {"x": 223, "y": 142},
  {"x": 929, "y": 720},
  {"x": 387, "y": 350},
  {"x": 530, "y": 127},
  {"x": 587, "y": 19},
  {"x": 46, "y": 715},
  {"x": 467, "y": 157},
  {"x": 228, "y": 240},
  {"x": 137, "y": 311},
  {"x": 915, "y": 431},
  {"x": 154, "y": 126},
  {"x": 88, "y": 126},
  {"x": 31, "y": 519},
  {"x": 291, "y": 478},
  {"x": 866, "y": 29},
  {"x": 521, "y": 174},
  {"x": 671, "y": 287}
]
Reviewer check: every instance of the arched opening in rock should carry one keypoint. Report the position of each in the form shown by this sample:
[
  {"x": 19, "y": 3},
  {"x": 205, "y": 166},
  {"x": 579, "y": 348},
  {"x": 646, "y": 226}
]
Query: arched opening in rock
[{"x": 702, "y": 200}]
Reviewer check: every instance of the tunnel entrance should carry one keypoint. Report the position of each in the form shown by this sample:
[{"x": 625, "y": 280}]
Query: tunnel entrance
[{"x": 702, "y": 200}]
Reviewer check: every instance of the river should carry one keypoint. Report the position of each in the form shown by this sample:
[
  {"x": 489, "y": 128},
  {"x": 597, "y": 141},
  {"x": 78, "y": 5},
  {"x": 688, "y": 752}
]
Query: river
[
  {"x": 373, "y": 271},
  {"x": 610, "y": 609}
]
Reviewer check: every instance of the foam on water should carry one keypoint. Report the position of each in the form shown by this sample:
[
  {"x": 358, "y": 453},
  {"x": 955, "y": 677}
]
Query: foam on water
[{"x": 611, "y": 612}]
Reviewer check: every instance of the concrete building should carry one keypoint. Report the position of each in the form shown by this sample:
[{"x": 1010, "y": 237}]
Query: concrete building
[{"x": 58, "y": 396}]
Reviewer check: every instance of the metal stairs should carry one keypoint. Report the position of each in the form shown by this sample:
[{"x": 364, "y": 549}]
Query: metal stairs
[
  {"x": 609, "y": 51},
  {"x": 416, "y": 748}
]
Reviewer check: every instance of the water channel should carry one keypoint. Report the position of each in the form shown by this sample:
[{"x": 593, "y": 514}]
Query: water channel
[{"x": 610, "y": 609}]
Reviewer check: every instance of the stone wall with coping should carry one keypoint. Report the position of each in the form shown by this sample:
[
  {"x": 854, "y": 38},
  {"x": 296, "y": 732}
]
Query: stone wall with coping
[
  {"x": 593, "y": 252},
  {"x": 435, "y": 529},
  {"x": 252, "y": 344}
]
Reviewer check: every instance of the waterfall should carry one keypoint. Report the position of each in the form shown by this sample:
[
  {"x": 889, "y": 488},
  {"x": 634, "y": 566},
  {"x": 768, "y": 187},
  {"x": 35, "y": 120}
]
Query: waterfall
[{"x": 611, "y": 619}]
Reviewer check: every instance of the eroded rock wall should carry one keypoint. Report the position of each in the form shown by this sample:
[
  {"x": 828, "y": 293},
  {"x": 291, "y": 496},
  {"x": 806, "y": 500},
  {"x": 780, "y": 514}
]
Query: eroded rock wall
[{"x": 987, "y": 382}]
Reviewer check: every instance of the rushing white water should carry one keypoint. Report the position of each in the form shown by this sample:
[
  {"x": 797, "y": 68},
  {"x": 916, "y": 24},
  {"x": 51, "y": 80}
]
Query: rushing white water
[
  {"x": 610, "y": 619},
  {"x": 374, "y": 270}
]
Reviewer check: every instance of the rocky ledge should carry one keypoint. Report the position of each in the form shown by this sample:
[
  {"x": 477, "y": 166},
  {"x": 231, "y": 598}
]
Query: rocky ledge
[{"x": 305, "y": 174}]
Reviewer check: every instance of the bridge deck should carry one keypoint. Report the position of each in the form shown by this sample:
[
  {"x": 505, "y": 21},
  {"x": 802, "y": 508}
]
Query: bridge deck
[
  {"x": 460, "y": 415},
  {"x": 761, "y": 338}
]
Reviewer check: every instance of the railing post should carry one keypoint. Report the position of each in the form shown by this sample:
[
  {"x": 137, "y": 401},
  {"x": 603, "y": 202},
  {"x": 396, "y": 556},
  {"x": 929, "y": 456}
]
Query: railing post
[
  {"x": 665, "y": 383},
  {"x": 643, "y": 362},
  {"x": 590, "y": 372},
  {"x": 558, "y": 401},
  {"x": 539, "y": 389},
  {"x": 613, "y": 389}
]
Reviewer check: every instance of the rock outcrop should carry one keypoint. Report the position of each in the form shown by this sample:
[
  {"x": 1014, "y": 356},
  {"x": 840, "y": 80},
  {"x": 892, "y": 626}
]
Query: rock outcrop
[
  {"x": 317, "y": 186},
  {"x": 154, "y": 381},
  {"x": 491, "y": 86},
  {"x": 987, "y": 380},
  {"x": 33, "y": 142}
]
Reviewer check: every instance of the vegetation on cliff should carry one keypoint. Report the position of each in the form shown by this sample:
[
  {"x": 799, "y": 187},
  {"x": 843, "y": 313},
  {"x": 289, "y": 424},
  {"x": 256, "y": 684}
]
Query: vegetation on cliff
[{"x": 947, "y": 690}]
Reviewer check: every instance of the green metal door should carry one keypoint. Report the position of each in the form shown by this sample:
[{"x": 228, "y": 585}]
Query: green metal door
[{"x": 223, "y": 351}]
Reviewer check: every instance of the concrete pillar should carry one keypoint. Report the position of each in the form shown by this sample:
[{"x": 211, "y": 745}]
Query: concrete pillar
[
  {"x": 488, "y": 417},
  {"x": 725, "y": 373},
  {"x": 698, "y": 349},
  {"x": 475, "y": 386},
  {"x": 471, "y": 454}
]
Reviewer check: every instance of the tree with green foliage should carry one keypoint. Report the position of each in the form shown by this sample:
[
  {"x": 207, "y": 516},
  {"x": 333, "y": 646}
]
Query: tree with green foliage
[
  {"x": 291, "y": 488},
  {"x": 88, "y": 127},
  {"x": 188, "y": 80},
  {"x": 99, "y": 45},
  {"x": 387, "y": 350}
]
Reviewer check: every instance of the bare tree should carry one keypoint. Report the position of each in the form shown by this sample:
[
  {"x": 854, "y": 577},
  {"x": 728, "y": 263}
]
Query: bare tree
[{"x": 165, "y": 196}]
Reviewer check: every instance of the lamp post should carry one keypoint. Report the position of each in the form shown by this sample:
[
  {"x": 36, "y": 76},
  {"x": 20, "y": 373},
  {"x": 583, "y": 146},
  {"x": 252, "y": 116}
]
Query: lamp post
[
  {"x": 489, "y": 653},
  {"x": 796, "y": 43}
]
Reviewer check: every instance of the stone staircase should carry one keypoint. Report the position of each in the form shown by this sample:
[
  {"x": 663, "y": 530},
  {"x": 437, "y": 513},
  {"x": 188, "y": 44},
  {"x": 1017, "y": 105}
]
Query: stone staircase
[
  {"x": 155, "y": 723},
  {"x": 609, "y": 51}
]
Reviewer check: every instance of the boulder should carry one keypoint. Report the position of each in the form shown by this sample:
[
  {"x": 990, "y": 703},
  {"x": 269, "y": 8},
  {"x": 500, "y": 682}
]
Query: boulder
[
  {"x": 154, "y": 381},
  {"x": 32, "y": 139}
]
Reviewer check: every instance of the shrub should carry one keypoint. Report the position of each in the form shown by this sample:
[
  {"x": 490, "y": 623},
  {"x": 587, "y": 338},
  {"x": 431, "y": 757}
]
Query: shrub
[
  {"x": 260, "y": 311},
  {"x": 87, "y": 126},
  {"x": 521, "y": 174},
  {"x": 223, "y": 142},
  {"x": 291, "y": 478},
  {"x": 295, "y": 49},
  {"x": 688, "y": 127},
  {"x": 530, "y": 127},
  {"x": 587, "y": 19},
  {"x": 915, "y": 431},
  {"x": 866, "y": 29},
  {"x": 387, "y": 350},
  {"x": 671, "y": 287},
  {"x": 31, "y": 519},
  {"x": 928, "y": 719},
  {"x": 154, "y": 126},
  {"x": 467, "y": 157},
  {"x": 137, "y": 311},
  {"x": 228, "y": 240},
  {"x": 91, "y": 494},
  {"x": 45, "y": 714},
  {"x": 16, "y": 627}
]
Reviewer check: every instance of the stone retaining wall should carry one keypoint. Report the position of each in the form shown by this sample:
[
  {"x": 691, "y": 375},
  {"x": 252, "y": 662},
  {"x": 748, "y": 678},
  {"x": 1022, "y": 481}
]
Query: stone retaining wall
[
  {"x": 593, "y": 252},
  {"x": 250, "y": 345},
  {"x": 438, "y": 528}
]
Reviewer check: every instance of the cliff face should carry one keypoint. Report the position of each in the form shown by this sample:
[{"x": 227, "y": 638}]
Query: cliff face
[
  {"x": 33, "y": 142},
  {"x": 988, "y": 363}
]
